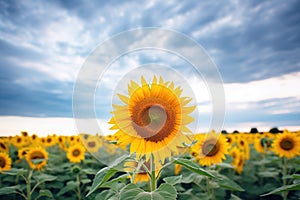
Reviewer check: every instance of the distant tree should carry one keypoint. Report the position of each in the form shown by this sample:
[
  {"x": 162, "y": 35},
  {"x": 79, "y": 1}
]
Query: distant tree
[
  {"x": 275, "y": 130},
  {"x": 253, "y": 130},
  {"x": 224, "y": 132},
  {"x": 235, "y": 131}
]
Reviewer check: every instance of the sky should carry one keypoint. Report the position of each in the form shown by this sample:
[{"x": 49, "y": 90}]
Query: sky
[{"x": 44, "y": 44}]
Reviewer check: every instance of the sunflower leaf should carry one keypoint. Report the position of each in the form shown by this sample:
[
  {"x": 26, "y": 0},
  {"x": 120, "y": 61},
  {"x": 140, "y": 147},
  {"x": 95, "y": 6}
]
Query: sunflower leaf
[
  {"x": 106, "y": 173},
  {"x": 295, "y": 186},
  {"x": 71, "y": 185},
  {"x": 192, "y": 167},
  {"x": 45, "y": 193},
  {"x": 173, "y": 180},
  {"x": 44, "y": 177},
  {"x": 9, "y": 189},
  {"x": 102, "y": 177},
  {"x": 130, "y": 192},
  {"x": 37, "y": 161}
]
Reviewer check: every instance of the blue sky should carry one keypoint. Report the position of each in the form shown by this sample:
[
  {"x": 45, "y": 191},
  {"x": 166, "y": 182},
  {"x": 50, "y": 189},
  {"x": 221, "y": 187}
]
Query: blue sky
[{"x": 255, "y": 45}]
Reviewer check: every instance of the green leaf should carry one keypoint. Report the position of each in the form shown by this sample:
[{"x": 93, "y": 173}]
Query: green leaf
[
  {"x": 227, "y": 183},
  {"x": 295, "y": 186},
  {"x": 130, "y": 192},
  {"x": 225, "y": 165},
  {"x": 71, "y": 185},
  {"x": 105, "y": 195},
  {"x": 296, "y": 176},
  {"x": 106, "y": 173},
  {"x": 192, "y": 167},
  {"x": 85, "y": 181},
  {"x": 133, "y": 192},
  {"x": 166, "y": 191},
  {"x": 9, "y": 189},
  {"x": 234, "y": 197},
  {"x": 121, "y": 178},
  {"x": 268, "y": 174},
  {"x": 37, "y": 161},
  {"x": 173, "y": 180},
  {"x": 15, "y": 172},
  {"x": 44, "y": 177},
  {"x": 45, "y": 193},
  {"x": 102, "y": 177}
]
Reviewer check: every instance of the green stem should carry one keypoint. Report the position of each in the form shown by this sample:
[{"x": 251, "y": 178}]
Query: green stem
[
  {"x": 284, "y": 172},
  {"x": 29, "y": 184},
  {"x": 152, "y": 177},
  {"x": 78, "y": 187}
]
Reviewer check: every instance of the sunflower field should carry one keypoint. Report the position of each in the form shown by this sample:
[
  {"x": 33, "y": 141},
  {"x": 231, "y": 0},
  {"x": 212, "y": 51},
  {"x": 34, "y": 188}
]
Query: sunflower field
[
  {"x": 152, "y": 155},
  {"x": 236, "y": 166}
]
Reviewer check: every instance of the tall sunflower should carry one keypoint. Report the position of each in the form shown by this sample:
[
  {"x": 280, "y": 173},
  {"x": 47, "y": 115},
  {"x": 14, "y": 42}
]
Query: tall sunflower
[
  {"x": 153, "y": 120},
  {"x": 36, "y": 157},
  {"x": 5, "y": 162},
  {"x": 211, "y": 149},
  {"x": 287, "y": 145},
  {"x": 75, "y": 153}
]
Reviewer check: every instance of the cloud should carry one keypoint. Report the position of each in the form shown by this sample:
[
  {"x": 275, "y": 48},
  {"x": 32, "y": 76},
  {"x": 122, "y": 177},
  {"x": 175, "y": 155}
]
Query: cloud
[{"x": 254, "y": 44}]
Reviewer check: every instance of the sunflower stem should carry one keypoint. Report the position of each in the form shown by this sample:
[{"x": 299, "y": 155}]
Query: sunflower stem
[
  {"x": 284, "y": 170},
  {"x": 29, "y": 185},
  {"x": 152, "y": 177},
  {"x": 78, "y": 187}
]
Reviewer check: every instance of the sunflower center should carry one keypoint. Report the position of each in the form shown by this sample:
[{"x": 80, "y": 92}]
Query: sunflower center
[
  {"x": 2, "y": 146},
  {"x": 19, "y": 140},
  {"x": 92, "y": 144},
  {"x": 210, "y": 148},
  {"x": 49, "y": 140},
  {"x": 242, "y": 143},
  {"x": 76, "y": 153},
  {"x": 2, "y": 162},
  {"x": 37, "y": 155},
  {"x": 228, "y": 139},
  {"x": 153, "y": 119},
  {"x": 287, "y": 144}
]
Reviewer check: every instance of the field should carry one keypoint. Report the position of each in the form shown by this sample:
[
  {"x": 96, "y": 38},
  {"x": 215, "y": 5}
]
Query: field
[{"x": 239, "y": 166}]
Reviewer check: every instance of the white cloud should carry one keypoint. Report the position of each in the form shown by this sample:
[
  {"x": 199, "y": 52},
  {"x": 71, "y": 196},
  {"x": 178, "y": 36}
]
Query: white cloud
[
  {"x": 277, "y": 87},
  {"x": 13, "y": 125}
]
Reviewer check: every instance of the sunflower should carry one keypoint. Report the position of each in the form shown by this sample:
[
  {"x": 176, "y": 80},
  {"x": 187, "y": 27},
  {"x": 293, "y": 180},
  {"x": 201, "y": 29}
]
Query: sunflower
[
  {"x": 230, "y": 139},
  {"x": 234, "y": 153},
  {"x": 262, "y": 144},
  {"x": 154, "y": 119},
  {"x": 61, "y": 141},
  {"x": 75, "y": 153},
  {"x": 5, "y": 162},
  {"x": 240, "y": 162},
  {"x": 92, "y": 144},
  {"x": 36, "y": 157},
  {"x": 211, "y": 149},
  {"x": 286, "y": 145},
  {"x": 18, "y": 141},
  {"x": 49, "y": 141},
  {"x": 243, "y": 145},
  {"x": 3, "y": 146},
  {"x": 22, "y": 152}
]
